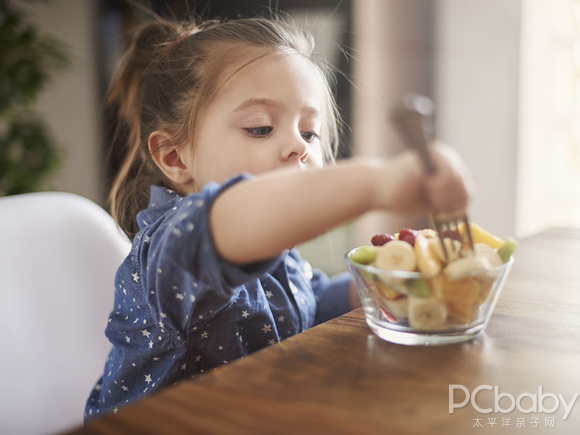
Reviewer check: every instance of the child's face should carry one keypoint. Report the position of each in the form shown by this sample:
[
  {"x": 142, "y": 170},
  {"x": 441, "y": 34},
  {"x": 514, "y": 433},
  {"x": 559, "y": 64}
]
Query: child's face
[{"x": 266, "y": 116}]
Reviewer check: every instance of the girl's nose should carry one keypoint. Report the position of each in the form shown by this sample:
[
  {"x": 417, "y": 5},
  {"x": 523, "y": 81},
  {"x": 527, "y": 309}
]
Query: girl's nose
[{"x": 295, "y": 148}]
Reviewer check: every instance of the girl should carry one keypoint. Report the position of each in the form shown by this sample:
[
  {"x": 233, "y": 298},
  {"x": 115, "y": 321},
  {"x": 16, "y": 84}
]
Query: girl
[{"x": 228, "y": 127}]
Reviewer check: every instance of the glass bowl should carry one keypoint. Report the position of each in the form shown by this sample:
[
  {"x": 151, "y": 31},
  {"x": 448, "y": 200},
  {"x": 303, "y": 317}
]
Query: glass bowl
[{"x": 407, "y": 308}]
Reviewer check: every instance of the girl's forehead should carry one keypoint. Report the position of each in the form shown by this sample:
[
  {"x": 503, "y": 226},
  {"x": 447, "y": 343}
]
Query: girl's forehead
[{"x": 272, "y": 74}]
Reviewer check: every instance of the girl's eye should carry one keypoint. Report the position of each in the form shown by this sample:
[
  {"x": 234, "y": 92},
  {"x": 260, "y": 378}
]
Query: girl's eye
[
  {"x": 260, "y": 131},
  {"x": 309, "y": 136}
]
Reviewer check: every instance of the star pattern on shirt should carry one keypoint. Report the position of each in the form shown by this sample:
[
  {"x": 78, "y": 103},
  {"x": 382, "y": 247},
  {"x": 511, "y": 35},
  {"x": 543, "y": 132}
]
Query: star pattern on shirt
[{"x": 169, "y": 343}]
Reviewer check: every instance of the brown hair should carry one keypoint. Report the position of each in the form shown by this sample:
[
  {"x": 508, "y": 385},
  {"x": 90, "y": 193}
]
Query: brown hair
[{"x": 168, "y": 76}]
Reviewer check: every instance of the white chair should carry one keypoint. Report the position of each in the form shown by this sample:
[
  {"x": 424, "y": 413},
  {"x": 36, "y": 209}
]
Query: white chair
[{"x": 58, "y": 256}]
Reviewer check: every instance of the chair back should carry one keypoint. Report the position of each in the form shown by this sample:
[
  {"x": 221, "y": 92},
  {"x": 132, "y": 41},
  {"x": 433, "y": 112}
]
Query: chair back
[{"x": 59, "y": 253}]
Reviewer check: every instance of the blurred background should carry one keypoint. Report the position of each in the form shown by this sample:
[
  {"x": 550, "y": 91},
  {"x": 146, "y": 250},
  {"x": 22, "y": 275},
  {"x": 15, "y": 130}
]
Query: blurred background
[{"x": 504, "y": 76}]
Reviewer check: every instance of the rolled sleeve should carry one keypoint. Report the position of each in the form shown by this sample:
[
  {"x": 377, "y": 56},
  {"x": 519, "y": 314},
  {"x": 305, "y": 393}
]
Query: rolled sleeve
[
  {"x": 183, "y": 259},
  {"x": 188, "y": 240}
]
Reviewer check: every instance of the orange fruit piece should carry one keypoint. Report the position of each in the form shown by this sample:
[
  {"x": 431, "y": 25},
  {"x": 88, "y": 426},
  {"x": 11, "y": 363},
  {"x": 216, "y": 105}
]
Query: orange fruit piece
[
  {"x": 479, "y": 235},
  {"x": 486, "y": 287},
  {"x": 461, "y": 296}
]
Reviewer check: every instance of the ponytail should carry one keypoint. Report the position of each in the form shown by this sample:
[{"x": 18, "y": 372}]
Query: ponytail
[{"x": 130, "y": 188}]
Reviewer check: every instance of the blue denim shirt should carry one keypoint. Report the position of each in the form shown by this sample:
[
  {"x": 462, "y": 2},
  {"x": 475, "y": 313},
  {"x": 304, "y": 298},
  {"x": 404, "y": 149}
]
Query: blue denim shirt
[{"x": 181, "y": 310}]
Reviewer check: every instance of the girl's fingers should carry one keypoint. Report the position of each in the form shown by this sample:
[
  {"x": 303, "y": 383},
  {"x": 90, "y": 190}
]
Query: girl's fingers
[{"x": 450, "y": 187}]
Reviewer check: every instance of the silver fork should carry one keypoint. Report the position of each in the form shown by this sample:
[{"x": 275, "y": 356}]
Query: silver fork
[{"x": 415, "y": 122}]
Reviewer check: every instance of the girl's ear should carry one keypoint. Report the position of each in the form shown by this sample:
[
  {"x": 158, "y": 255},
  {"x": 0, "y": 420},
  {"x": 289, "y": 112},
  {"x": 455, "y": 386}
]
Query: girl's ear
[{"x": 168, "y": 157}]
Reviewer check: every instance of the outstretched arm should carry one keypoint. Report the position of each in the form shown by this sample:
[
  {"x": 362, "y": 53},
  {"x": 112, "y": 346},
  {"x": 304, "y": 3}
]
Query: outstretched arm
[{"x": 259, "y": 218}]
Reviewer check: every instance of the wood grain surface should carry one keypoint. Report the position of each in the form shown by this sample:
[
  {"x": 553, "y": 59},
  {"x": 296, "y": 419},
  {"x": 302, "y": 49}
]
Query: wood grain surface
[{"x": 339, "y": 378}]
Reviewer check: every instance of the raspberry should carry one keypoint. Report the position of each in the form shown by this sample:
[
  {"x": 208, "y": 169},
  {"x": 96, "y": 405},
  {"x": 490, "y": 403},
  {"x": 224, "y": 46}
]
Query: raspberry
[
  {"x": 408, "y": 235},
  {"x": 381, "y": 239}
]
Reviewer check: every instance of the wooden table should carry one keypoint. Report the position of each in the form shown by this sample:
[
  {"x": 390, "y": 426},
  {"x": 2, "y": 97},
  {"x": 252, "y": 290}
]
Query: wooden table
[{"x": 339, "y": 378}]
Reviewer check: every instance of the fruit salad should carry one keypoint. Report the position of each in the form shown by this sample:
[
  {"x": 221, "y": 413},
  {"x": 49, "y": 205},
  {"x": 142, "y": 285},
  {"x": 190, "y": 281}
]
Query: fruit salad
[{"x": 446, "y": 291}]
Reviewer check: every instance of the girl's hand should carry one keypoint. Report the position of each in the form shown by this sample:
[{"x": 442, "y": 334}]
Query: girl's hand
[
  {"x": 405, "y": 187},
  {"x": 449, "y": 189}
]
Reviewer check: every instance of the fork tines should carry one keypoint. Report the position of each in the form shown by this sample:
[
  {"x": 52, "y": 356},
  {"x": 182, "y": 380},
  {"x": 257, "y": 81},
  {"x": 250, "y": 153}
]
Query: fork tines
[{"x": 447, "y": 224}]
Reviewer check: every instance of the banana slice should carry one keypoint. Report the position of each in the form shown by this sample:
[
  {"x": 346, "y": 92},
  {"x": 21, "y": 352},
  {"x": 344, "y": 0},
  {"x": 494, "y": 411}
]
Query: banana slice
[
  {"x": 428, "y": 264},
  {"x": 483, "y": 250},
  {"x": 396, "y": 255},
  {"x": 427, "y": 313},
  {"x": 463, "y": 267},
  {"x": 428, "y": 233},
  {"x": 451, "y": 246}
]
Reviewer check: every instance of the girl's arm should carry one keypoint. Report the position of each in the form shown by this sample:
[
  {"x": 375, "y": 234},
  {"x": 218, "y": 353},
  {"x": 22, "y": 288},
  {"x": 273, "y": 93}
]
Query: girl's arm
[{"x": 258, "y": 219}]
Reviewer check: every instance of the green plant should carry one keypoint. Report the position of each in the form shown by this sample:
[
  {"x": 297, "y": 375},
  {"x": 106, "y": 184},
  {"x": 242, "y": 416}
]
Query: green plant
[{"x": 28, "y": 153}]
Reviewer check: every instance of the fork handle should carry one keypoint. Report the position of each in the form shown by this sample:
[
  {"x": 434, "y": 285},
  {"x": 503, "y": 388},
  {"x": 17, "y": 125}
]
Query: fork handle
[{"x": 414, "y": 120}]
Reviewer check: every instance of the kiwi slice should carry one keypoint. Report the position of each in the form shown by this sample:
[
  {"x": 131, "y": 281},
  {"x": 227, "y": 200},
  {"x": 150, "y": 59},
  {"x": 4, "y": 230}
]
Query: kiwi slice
[
  {"x": 506, "y": 250},
  {"x": 364, "y": 255},
  {"x": 418, "y": 287}
]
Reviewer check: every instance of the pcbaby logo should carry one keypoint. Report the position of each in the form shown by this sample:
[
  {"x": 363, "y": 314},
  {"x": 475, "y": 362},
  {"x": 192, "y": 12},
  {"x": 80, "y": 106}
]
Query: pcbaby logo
[{"x": 537, "y": 401}]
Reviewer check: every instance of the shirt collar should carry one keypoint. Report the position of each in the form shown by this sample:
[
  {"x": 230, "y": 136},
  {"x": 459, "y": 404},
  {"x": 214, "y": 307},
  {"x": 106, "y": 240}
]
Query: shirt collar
[{"x": 161, "y": 200}]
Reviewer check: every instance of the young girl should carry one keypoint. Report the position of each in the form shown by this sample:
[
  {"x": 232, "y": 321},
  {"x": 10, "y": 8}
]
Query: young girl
[{"x": 229, "y": 124}]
